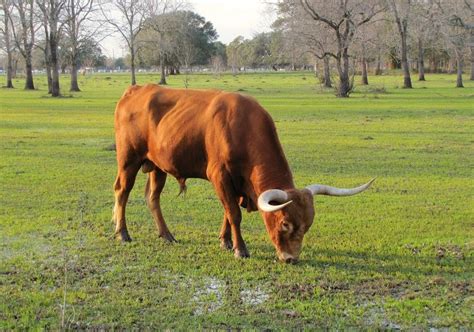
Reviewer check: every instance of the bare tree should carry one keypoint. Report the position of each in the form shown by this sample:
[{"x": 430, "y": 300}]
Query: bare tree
[
  {"x": 424, "y": 31},
  {"x": 47, "y": 56},
  {"x": 401, "y": 11},
  {"x": 162, "y": 24},
  {"x": 78, "y": 29},
  {"x": 24, "y": 29},
  {"x": 234, "y": 54},
  {"x": 6, "y": 6},
  {"x": 455, "y": 16},
  {"x": 319, "y": 46},
  {"x": 217, "y": 64},
  {"x": 128, "y": 22},
  {"x": 45, "y": 47},
  {"x": 52, "y": 11},
  {"x": 301, "y": 34},
  {"x": 343, "y": 18},
  {"x": 364, "y": 45},
  {"x": 463, "y": 17}
]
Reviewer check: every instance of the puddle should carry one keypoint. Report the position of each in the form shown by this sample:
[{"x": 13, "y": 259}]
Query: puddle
[
  {"x": 253, "y": 297},
  {"x": 375, "y": 316},
  {"x": 209, "y": 298}
]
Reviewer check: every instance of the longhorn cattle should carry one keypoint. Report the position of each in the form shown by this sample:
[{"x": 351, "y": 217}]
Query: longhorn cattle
[{"x": 226, "y": 138}]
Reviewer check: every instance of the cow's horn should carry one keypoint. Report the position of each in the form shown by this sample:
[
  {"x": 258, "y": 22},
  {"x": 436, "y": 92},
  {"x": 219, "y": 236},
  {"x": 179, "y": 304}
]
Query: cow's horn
[
  {"x": 275, "y": 195},
  {"x": 320, "y": 189}
]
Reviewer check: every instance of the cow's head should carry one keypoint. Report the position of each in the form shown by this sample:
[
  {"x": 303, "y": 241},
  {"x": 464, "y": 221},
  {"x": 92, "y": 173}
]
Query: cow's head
[{"x": 289, "y": 214}]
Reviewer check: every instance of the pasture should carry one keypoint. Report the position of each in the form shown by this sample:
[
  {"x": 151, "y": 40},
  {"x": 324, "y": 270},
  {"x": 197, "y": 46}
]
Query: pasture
[{"x": 397, "y": 256}]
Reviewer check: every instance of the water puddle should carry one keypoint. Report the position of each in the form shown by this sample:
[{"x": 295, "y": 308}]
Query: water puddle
[{"x": 212, "y": 296}]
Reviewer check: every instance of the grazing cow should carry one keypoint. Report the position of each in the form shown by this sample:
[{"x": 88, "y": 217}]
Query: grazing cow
[{"x": 226, "y": 138}]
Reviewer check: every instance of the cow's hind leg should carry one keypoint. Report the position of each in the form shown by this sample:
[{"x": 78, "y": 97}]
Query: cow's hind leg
[
  {"x": 226, "y": 234},
  {"x": 123, "y": 185},
  {"x": 223, "y": 185},
  {"x": 154, "y": 187}
]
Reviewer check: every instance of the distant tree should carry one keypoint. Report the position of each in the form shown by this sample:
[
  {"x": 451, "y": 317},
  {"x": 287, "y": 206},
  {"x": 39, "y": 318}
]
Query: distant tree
[
  {"x": 120, "y": 63},
  {"x": 51, "y": 11},
  {"x": 288, "y": 42},
  {"x": 91, "y": 56},
  {"x": 194, "y": 38},
  {"x": 24, "y": 27},
  {"x": 79, "y": 30},
  {"x": 217, "y": 63},
  {"x": 343, "y": 19},
  {"x": 457, "y": 30},
  {"x": 45, "y": 47},
  {"x": 164, "y": 23},
  {"x": 219, "y": 50},
  {"x": 234, "y": 54},
  {"x": 401, "y": 11},
  {"x": 90, "y": 53},
  {"x": 6, "y": 7},
  {"x": 128, "y": 23},
  {"x": 177, "y": 39},
  {"x": 424, "y": 29}
]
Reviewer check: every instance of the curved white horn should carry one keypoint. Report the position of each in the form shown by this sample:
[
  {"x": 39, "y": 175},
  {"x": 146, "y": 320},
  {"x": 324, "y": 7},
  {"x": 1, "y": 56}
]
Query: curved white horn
[
  {"x": 320, "y": 189},
  {"x": 276, "y": 195}
]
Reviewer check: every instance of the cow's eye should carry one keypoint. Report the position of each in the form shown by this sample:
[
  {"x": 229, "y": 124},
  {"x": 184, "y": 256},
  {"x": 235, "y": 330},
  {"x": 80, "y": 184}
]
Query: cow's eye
[{"x": 285, "y": 226}]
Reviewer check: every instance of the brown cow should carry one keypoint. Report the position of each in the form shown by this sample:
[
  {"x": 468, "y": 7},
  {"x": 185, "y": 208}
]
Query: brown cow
[{"x": 226, "y": 138}]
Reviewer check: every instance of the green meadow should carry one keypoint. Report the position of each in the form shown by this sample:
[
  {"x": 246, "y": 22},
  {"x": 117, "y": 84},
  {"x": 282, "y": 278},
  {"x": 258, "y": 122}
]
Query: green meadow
[{"x": 398, "y": 256}]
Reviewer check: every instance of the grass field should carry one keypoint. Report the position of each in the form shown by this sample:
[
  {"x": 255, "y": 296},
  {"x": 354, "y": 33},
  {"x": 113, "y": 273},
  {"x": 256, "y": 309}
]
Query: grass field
[{"x": 398, "y": 256}]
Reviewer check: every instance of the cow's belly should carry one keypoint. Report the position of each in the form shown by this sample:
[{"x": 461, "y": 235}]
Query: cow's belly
[{"x": 181, "y": 157}]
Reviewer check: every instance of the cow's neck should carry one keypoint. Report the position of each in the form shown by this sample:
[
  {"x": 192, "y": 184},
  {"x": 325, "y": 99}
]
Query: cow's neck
[{"x": 273, "y": 174}]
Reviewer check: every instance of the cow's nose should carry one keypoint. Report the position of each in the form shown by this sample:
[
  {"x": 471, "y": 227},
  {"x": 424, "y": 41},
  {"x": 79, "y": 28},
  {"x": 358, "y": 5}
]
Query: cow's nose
[{"x": 291, "y": 260}]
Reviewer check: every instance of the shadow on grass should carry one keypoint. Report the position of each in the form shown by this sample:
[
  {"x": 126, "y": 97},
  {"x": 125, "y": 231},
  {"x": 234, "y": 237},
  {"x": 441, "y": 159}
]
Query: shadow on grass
[{"x": 389, "y": 263}]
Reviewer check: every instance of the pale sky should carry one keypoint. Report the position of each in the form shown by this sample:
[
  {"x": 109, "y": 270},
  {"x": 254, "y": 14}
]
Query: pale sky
[{"x": 230, "y": 18}]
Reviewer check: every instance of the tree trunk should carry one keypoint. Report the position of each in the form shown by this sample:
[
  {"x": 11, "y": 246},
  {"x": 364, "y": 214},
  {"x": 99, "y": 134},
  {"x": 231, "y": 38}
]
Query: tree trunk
[
  {"x": 378, "y": 68},
  {"x": 132, "y": 66},
  {"x": 459, "y": 64},
  {"x": 421, "y": 61},
  {"x": 14, "y": 67},
  {"x": 74, "y": 84},
  {"x": 406, "y": 69},
  {"x": 49, "y": 76},
  {"x": 344, "y": 88},
  {"x": 55, "y": 90},
  {"x": 472, "y": 62},
  {"x": 29, "y": 85},
  {"x": 8, "y": 48},
  {"x": 163, "y": 73},
  {"x": 9, "y": 70},
  {"x": 365, "y": 79},
  {"x": 327, "y": 73}
]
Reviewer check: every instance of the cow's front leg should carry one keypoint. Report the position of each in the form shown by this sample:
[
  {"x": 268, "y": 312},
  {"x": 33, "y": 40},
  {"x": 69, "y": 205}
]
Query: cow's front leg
[
  {"x": 154, "y": 187},
  {"x": 226, "y": 234},
  {"x": 223, "y": 185}
]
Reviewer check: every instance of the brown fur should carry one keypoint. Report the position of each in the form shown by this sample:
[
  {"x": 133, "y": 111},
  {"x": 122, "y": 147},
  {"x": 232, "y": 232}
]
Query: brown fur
[{"x": 226, "y": 138}]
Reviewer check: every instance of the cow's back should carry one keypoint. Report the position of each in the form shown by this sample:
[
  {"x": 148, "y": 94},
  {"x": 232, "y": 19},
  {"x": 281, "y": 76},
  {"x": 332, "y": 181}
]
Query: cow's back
[{"x": 182, "y": 131}]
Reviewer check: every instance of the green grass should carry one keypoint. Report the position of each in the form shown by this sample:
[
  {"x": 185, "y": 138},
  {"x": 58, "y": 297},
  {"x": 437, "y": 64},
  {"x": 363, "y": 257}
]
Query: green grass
[{"x": 397, "y": 256}]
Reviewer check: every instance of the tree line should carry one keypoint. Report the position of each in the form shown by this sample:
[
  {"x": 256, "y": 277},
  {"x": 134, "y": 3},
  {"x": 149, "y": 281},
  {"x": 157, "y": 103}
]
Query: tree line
[{"x": 333, "y": 37}]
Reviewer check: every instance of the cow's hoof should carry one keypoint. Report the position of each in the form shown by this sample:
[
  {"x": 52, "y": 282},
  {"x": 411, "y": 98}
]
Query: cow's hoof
[
  {"x": 168, "y": 237},
  {"x": 123, "y": 236},
  {"x": 241, "y": 253},
  {"x": 226, "y": 244}
]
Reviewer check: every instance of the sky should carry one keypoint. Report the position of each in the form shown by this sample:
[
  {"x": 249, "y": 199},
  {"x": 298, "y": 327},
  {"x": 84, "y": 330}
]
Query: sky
[{"x": 230, "y": 18}]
